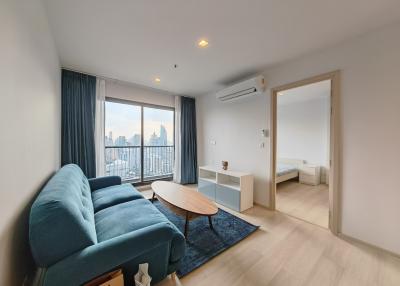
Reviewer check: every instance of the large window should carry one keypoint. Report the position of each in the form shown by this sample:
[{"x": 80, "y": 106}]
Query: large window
[{"x": 139, "y": 141}]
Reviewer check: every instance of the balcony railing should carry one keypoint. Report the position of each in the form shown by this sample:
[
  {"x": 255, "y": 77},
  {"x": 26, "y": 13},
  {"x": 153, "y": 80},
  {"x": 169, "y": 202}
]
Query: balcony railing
[{"x": 127, "y": 162}]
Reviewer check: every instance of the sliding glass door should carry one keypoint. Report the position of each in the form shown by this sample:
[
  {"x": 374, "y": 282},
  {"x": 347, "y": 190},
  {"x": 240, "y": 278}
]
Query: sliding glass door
[
  {"x": 139, "y": 141},
  {"x": 158, "y": 149},
  {"x": 122, "y": 140}
]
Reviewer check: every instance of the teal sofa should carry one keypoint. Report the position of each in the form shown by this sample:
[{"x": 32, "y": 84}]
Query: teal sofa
[{"x": 80, "y": 229}]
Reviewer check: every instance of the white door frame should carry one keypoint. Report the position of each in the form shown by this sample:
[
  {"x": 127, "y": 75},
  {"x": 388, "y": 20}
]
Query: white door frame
[{"x": 334, "y": 192}]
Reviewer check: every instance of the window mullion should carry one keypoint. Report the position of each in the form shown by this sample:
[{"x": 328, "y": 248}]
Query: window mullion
[{"x": 141, "y": 145}]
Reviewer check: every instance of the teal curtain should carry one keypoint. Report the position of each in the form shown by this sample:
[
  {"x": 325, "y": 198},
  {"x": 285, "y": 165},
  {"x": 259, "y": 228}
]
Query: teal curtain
[
  {"x": 78, "y": 99},
  {"x": 188, "y": 141}
]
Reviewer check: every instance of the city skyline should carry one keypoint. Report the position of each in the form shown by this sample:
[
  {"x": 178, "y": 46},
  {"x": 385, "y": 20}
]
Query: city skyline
[
  {"x": 156, "y": 139},
  {"x": 123, "y": 156},
  {"x": 125, "y": 120}
]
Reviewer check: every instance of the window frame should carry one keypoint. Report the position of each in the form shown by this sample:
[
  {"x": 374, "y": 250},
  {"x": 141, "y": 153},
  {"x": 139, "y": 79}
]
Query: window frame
[{"x": 142, "y": 181}]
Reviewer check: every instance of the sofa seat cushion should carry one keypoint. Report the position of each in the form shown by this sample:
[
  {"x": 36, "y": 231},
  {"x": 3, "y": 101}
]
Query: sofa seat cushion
[
  {"x": 126, "y": 217},
  {"x": 111, "y": 196}
]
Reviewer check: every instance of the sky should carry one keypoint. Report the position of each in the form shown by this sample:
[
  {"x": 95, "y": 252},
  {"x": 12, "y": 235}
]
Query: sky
[{"x": 124, "y": 120}]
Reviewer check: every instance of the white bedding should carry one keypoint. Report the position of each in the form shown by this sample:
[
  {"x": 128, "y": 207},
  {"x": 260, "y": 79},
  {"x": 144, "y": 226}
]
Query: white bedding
[
  {"x": 287, "y": 169},
  {"x": 284, "y": 168}
]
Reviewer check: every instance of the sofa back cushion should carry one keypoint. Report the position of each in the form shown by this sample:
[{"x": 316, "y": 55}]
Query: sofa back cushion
[{"x": 62, "y": 218}]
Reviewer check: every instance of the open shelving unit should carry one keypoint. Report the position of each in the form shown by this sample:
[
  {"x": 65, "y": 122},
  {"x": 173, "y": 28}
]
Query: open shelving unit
[
  {"x": 229, "y": 188},
  {"x": 208, "y": 175}
]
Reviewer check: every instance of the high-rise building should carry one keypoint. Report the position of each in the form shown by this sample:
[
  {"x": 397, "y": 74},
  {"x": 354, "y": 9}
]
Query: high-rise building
[
  {"x": 153, "y": 141},
  {"x": 163, "y": 136},
  {"x": 135, "y": 140},
  {"x": 121, "y": 141},
  {"x": 108, "y": 140}
]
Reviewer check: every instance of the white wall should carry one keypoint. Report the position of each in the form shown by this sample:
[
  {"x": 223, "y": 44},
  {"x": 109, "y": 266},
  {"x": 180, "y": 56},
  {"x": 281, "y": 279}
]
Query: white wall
[
  {"x": 370, "y": 139},
  {"x": 30, "y": 126},
  {"x": 236, "y": 129},
  {"x": 127, "y": 91},
  {"x": 303, "y": 130}
]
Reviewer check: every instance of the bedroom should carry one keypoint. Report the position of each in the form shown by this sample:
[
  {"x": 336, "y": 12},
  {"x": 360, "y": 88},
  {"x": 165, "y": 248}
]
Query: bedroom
[{"x": 303, "y": 135}]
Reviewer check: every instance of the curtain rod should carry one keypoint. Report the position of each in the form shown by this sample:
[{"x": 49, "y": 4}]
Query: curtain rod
[
  {"x": 126, "y": 82},
  {"x": 120, "y": 81}
]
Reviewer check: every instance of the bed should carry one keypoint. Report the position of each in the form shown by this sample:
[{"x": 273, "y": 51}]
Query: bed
[{"x": 287, "y": 169}]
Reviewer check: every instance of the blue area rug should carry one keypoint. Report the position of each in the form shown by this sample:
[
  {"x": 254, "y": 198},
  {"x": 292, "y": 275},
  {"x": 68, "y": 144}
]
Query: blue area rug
[{"x": 204, "y": 243}]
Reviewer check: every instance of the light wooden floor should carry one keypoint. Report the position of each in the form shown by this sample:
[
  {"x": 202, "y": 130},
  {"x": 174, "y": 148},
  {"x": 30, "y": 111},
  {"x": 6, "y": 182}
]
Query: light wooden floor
[
  {"x": 310, "y": 203},
  {"x": 287, "y": 251}
]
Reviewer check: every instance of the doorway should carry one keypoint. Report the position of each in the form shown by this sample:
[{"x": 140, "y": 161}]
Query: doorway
[{"x": 305, "y": 150}]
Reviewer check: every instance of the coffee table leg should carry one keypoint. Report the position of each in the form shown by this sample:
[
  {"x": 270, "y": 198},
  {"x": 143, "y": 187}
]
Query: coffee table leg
[
  {"x": 186, "y": 224},
  {"x": 152, "y": 199},
  {"x": 210, "y": 222}
]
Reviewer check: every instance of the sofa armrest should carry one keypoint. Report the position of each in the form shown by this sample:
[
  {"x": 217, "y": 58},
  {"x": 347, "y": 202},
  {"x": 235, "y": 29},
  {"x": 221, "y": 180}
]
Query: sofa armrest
[
  {"x": 104, "y": 182},
  {"x": 99, "y": 258},
  {"x": 178, "y": 246}
]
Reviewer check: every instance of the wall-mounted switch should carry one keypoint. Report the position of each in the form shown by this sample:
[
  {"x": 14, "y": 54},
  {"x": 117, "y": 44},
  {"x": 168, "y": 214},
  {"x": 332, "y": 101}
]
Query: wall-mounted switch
[{"x": 213, "y": 142}]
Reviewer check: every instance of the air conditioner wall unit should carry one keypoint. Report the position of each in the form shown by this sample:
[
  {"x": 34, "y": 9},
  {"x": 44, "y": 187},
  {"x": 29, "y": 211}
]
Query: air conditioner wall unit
[{"x": 250, "y": 87}]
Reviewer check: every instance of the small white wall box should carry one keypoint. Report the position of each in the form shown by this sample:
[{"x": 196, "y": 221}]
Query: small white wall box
[
  {"x": 264, "y": 132},
  {"x": 228, "y": 188}
]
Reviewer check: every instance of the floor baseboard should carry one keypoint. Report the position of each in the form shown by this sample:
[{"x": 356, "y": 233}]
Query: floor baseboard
[{"x": 356, "y": 240}]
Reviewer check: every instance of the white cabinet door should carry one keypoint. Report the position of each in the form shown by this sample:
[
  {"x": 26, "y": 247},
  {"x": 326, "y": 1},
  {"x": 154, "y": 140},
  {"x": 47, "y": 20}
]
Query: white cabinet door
[
  {"x": 207, "y": 188},
  {"x": 228, "y": 197}
]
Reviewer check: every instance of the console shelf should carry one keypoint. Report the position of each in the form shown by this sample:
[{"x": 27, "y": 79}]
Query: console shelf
[{"x": 229, "y": 188}]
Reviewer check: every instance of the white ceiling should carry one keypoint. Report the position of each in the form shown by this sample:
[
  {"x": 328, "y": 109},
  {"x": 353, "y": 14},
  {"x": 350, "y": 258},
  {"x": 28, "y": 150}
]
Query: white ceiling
[
  {"x": 136, "y": 41},
  {"x": 304, "y": 93}
]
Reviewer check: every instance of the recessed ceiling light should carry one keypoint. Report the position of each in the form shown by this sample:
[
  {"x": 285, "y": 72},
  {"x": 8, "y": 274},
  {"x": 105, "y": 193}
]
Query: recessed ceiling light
[
  {"x": 202, "y": 43},
  {"x": 157, "y": 80}
]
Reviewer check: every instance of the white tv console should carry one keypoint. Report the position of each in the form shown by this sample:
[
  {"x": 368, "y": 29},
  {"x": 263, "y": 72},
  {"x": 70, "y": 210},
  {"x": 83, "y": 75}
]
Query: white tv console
[{"x": 228, "y": 188}]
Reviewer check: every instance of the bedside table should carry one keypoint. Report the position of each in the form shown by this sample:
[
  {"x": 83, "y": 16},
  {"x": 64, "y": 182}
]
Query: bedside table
[{"x": 310, "y": 174}]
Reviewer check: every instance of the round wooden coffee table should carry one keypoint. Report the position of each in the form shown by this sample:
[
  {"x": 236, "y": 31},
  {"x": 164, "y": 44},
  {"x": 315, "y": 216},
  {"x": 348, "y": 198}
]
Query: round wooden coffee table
[{"x": 184, "y": 201}]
